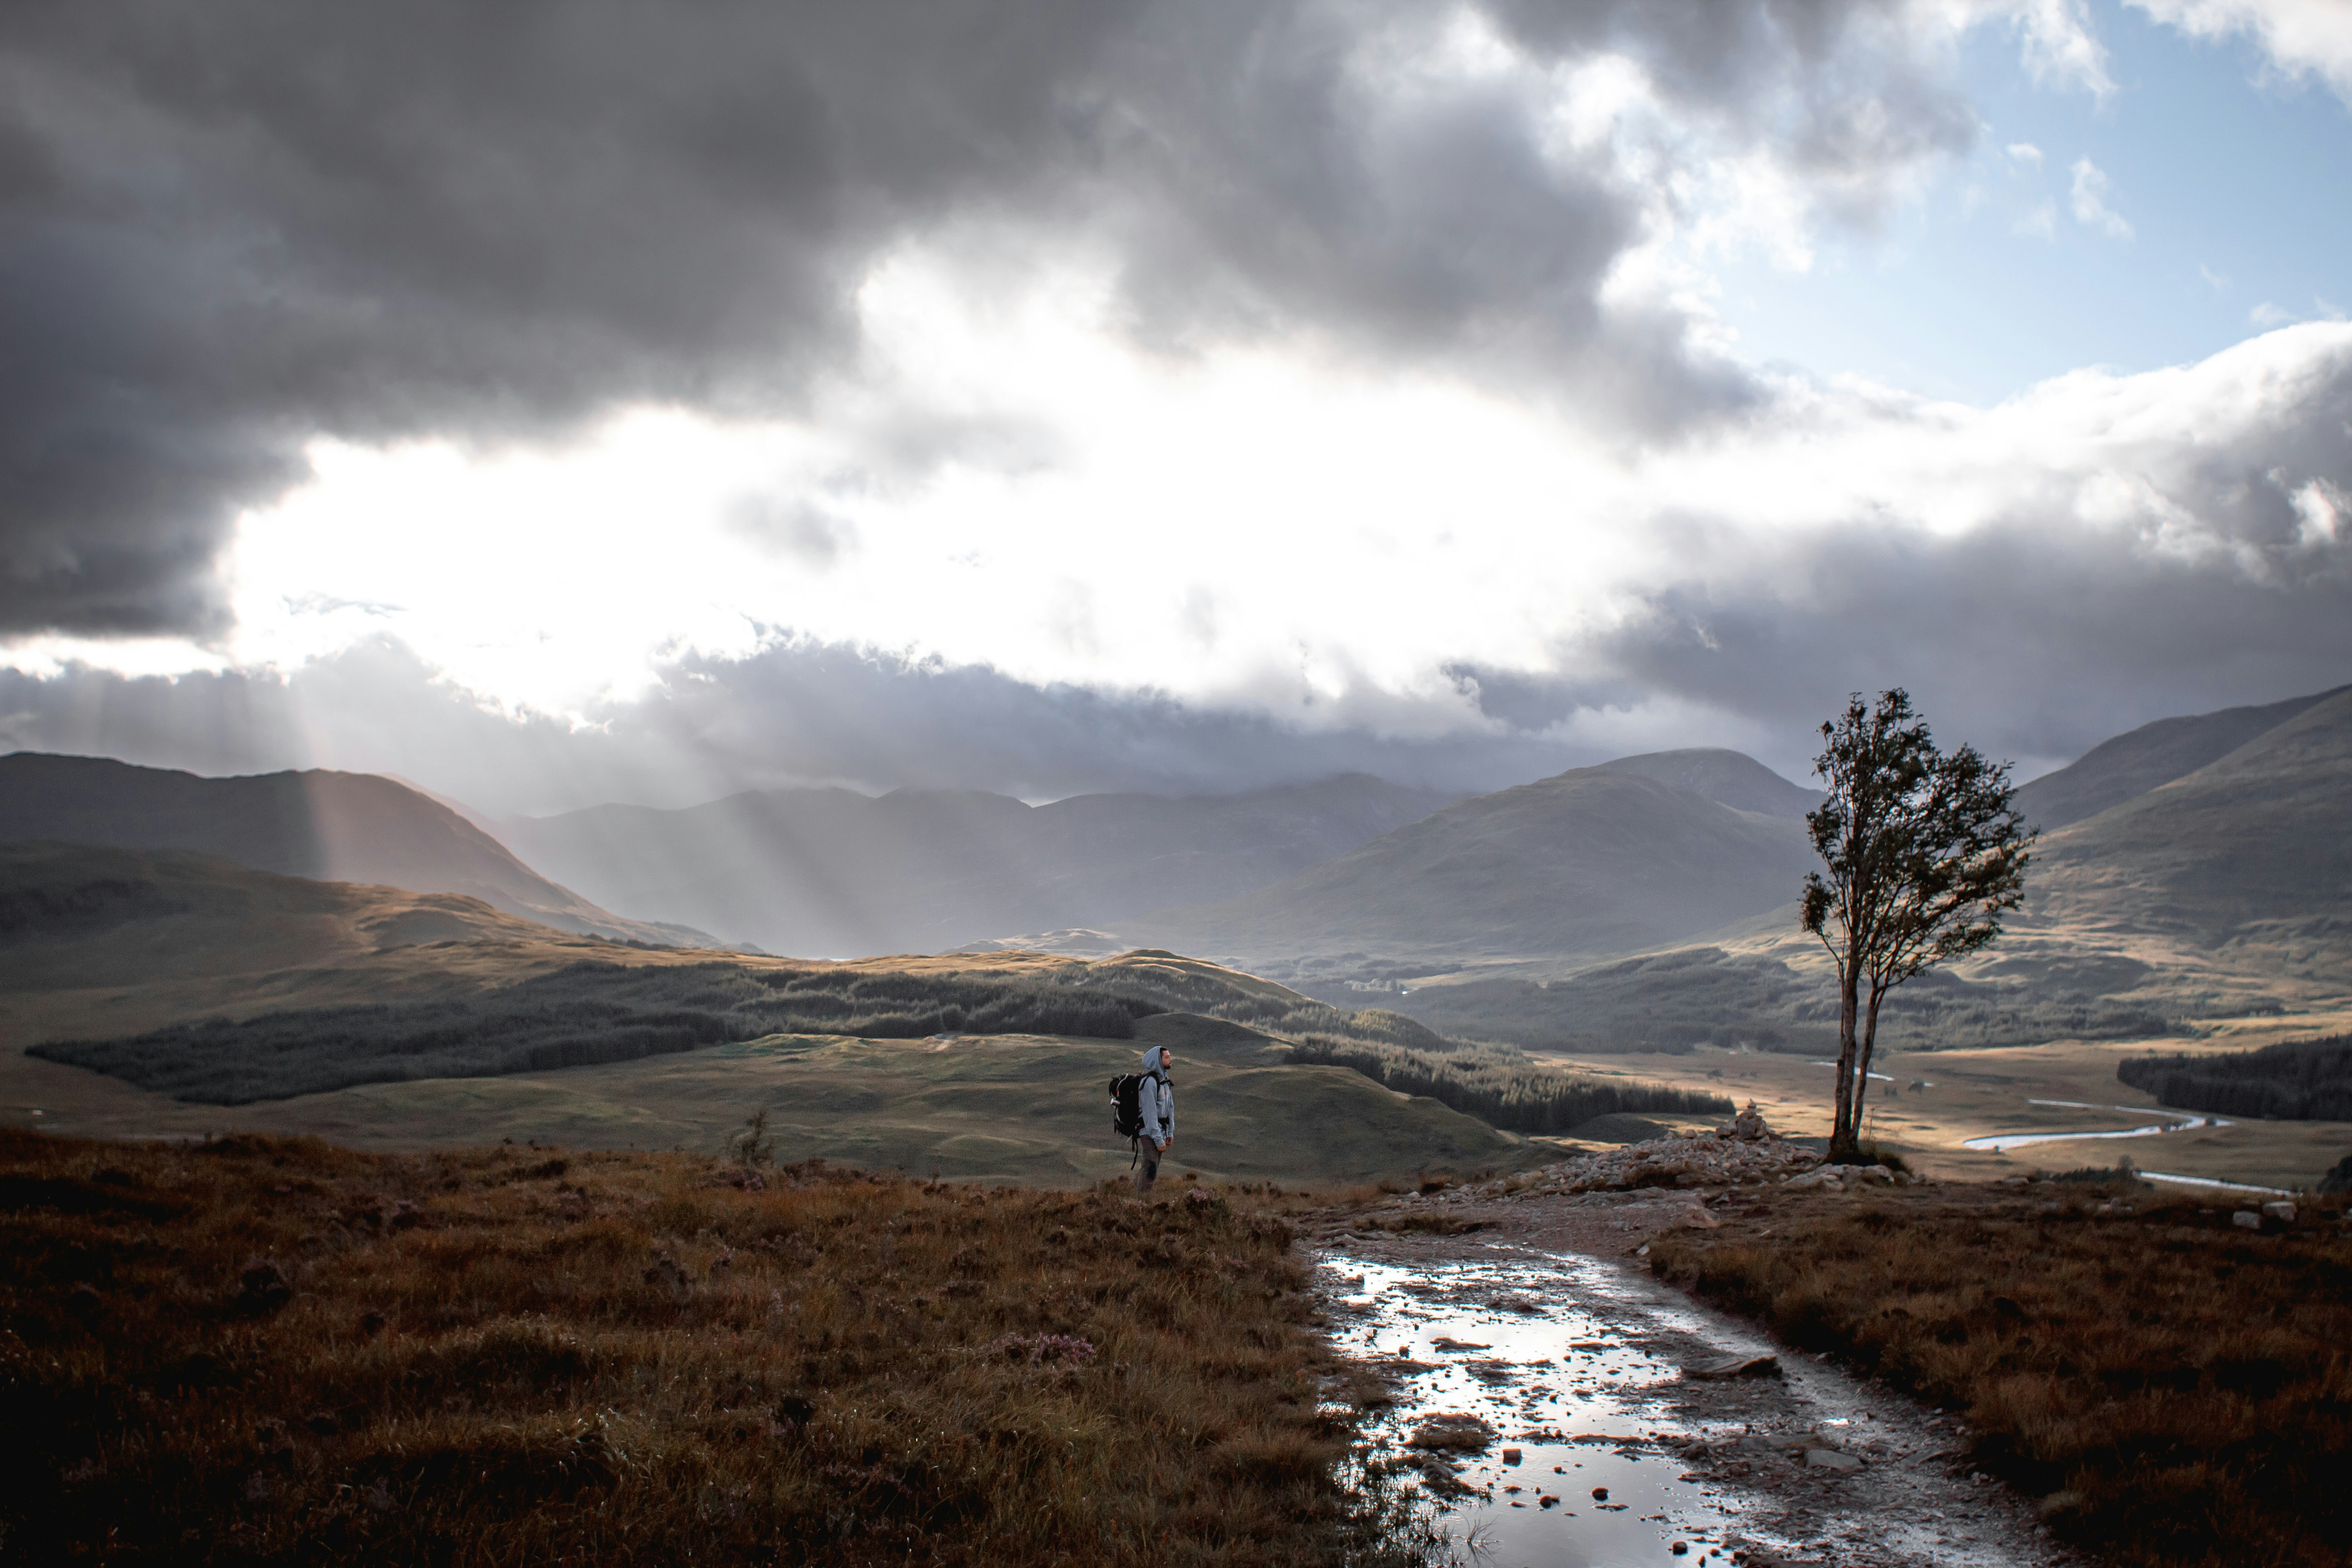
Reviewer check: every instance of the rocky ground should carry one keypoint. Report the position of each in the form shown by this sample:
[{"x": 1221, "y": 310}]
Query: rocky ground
[{"x": 1527, "y": 1351}]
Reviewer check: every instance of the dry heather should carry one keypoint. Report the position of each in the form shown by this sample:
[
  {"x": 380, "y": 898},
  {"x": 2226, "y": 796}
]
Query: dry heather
[
  {"x": 273, "y": 1350},
  {"x": 2177, "y": 1390}
]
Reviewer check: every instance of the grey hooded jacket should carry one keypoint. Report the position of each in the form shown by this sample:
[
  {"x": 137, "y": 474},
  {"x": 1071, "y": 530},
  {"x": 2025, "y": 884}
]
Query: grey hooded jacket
[{"x": 1157, "y": 1096}]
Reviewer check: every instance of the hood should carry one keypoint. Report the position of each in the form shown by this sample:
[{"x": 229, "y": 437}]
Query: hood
[{"x": 1152, "y": 1062}]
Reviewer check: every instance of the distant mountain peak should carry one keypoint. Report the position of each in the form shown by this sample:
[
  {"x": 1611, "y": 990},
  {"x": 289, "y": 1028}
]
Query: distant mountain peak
[{"x": 1724, "y": 776}]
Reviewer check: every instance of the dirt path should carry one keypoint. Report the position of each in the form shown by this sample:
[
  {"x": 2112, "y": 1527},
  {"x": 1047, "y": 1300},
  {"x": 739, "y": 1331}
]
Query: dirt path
[{"x": 1568, "y": 1369}]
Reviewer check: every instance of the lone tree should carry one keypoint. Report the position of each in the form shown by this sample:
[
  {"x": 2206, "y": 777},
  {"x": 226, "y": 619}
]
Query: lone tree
[{"x": 1923, "y": 851}]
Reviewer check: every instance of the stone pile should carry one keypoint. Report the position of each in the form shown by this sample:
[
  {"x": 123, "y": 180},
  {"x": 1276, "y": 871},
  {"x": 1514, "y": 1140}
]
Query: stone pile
[{"x": 1743, "y": 1153}]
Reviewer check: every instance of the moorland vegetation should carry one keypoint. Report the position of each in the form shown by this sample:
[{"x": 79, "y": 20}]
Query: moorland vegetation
[
  {"x": 589, "y": 1011},
  {"x": 2171, "y": 1385},
  {"x": 259, "y": 1351},
  {"x": 1501, "y": 1088}
]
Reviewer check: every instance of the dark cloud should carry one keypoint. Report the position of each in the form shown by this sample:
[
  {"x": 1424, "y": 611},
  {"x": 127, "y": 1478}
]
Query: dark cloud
[{"x": 226, "y": 229}]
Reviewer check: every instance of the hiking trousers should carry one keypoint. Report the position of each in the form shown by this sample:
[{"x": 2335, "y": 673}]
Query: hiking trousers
[{"x": 1149, "y": 1172}]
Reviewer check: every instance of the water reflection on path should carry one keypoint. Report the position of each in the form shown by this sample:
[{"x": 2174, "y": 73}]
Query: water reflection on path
[{"x": 1543, "y": 1354}]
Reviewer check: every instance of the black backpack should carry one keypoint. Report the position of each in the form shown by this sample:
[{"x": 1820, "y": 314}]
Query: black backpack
[{"x": 1126, "y": 1105}]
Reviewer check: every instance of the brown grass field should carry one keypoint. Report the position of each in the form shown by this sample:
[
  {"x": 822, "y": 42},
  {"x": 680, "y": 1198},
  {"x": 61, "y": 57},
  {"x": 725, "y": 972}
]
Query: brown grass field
[
  {"x": 2177, "y": 1391},
  {"x": 276, "y": 1351}
]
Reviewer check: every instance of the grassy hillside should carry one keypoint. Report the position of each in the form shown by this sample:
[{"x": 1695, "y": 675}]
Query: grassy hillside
[
  {"x": 592, "y": 1011},
  {"x": 1594, "y": 862},
  {"x": 1706, "y": 996},
  {"x": 2257, "y": 845},
  {"x": 264, "y": 1351},
  {"x": 331, "y": 826},
  {"x": 2131, "y": 764},
  {"x": 310, "y": 985}
]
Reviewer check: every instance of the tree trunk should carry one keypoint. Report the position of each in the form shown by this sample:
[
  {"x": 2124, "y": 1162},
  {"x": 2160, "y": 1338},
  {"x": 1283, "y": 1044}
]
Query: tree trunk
[
  {"x": 1843, "y": 1135},
  {"x": 1868, "y": 1045}
]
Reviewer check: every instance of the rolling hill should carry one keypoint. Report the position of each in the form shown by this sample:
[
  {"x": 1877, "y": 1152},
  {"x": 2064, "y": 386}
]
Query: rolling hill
[
  {"x": 2132, "y": 764},
  {"x": 2255, "y": 844},
  {"x": 1595, "y": 861},
  {"x": 319, "y": 825},
  {"x": 259, "y": 982},
  {"x": 830, "y": 871}
]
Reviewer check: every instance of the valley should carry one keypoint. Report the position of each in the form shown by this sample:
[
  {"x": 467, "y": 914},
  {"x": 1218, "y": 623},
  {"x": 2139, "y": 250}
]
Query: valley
[{"x": 1628, "y": 922}]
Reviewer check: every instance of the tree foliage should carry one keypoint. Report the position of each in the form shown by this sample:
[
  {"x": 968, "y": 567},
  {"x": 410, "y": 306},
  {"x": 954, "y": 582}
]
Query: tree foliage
[{"x": 1923, "y": 851}]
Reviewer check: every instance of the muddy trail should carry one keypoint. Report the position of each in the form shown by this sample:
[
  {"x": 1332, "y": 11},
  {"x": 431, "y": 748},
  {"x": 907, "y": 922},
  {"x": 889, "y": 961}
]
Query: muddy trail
[{"x": 1555, "y": 1407}]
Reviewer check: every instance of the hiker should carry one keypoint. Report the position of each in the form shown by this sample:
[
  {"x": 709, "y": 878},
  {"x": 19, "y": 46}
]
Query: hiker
[{"x": 1156, "y": 1098}]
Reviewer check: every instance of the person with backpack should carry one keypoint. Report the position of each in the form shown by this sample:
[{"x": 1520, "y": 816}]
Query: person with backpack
[{"x": 1143, "y": 1108}]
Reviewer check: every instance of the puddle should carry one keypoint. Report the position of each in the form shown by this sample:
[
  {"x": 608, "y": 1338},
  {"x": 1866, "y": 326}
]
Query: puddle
[{"x": 1540, "y": 1351}]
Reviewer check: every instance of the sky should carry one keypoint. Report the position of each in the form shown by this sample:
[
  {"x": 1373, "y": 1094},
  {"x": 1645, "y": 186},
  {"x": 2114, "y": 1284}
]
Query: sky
[{"x": 556, "y": 404}]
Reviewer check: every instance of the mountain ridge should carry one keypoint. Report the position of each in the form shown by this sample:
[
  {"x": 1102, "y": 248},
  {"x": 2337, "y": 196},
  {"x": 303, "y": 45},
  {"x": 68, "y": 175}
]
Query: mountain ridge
[
  {"x": 2124, "y": 767},
  {"x": 317, "y": 824},
  {"x": 831, "y": 872},
  {"x": 1592, "y": 861}
]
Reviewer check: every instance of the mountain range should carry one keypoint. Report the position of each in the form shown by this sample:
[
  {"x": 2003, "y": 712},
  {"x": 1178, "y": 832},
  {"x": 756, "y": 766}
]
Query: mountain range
[
  {"x": 1616, "y": 859},
  {"x": 2228, "y": 835},
  {"x": 833, "y": 873}
]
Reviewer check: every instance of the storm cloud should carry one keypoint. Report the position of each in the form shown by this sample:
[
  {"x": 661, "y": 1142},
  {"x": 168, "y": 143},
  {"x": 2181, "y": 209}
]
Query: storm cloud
[{"x": 227, "y": 231}]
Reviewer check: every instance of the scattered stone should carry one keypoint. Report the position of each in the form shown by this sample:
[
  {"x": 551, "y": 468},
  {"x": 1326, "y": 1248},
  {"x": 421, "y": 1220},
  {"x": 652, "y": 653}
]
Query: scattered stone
[
  {"x": 2282, "y": 1211},
  {"x": 1831, "y": 1460},
  {"x": 1511, "y": 1455},
  {"x": 2247, "y": 1219},
  {"x": 1724, "y": 1157},
  {"x": 1736, "y": 1366},
  {"x": 1442, "y": 1343},
  {"x": 1601, "y": 1494}
]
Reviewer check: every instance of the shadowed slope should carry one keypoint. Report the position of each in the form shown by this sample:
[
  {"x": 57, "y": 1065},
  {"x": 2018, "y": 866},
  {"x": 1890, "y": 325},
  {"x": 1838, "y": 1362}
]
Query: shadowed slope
[
  {"x": 2262, "y": 837},
  {"x": 832, "y": 871},
  {"x": 1597, "y": 861},
  {"x": 2138, "y": 761},
  {"x": 325, "y": 826}
]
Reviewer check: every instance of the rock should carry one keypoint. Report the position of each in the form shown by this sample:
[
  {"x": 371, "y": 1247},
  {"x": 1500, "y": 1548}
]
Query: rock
[
  {"x": 1749, "y": 1125},
  {"x": 1511, "y": 1455},
  {"x": 1736, "y": 1366},
  {"x": 1454, "y": 1429},
  {"x": 2247, "y": 1219},
  {"x": 2282, "y": 1211},
  {"x": 1694, "y": 1217},
  {"x": 1827, "y": 1177},
  {"x": 1601, "y": 1494},
  {"x": 1831, "y": 1460}
]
